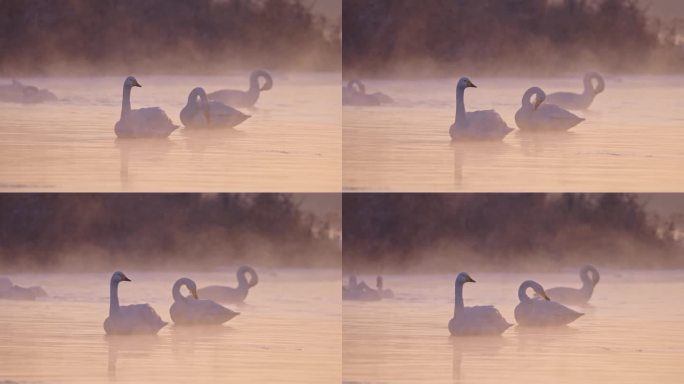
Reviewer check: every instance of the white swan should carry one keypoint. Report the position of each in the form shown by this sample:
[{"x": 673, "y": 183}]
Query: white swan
[
  {"x": 582, "y": 100},
  {"x": 245, "y": 98},
  {"x": 209, "y": 114},
  {"x": 144, "y": 122},
  {"x": 574, "y": 296},
  {"x": 359, "y": 291},
  {"x": 543, "y": 116},
  {"x": 541, "y": 311},
  {"x": 129, "y": 319},
  {"x": 17, "y": 92},
  {"x": 354, "y": 93},
  {"x": 193, "y": 311},
  {"x": 228, "y": 294},
  {"x": 477, "y": 125},
  {"x": 385, "y": 293},
  {"x": 14, "y": 292},
  {"x": 478, "y": 320}
]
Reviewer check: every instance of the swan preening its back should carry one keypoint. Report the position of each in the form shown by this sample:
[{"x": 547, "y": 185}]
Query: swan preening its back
[
  {"x": 144, "y": 122},
  {"x": 574, "y": 296},
  {"x": 543, "y": 116},
  {"x": 582, "y": 100},
  {"x": 199, "y": 112},
  {"x": 129, "y": 319},
  {"x": 476, "y": 125},
  {"x": 232, "y": 295},
  {"x": 194, "y": 311},
  {"x": 247, "y": 98},
  {"x": 478, "y": 320},
  {"x": 354, "y": 93},
  {"x": 541, "y": 311}
]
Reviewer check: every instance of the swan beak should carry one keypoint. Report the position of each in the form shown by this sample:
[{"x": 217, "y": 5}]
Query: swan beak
[
  {"x": 125, "y": 278},
  {"x": 470, "y": 280},
  {"x": 470, "y": 84},
  {"x": 194, "y": 294},
  {"x": 545, "y": 296},
  {"x": 136, "y": 84}
]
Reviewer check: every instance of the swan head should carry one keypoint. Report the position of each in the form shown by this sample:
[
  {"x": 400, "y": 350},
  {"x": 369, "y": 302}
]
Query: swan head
[
  {"x": 352, "y": 281},
  {"x": 463, "y": 278},
  {"x": 119, "y": 276},
  {"x": 131, "y": 82},
  {"x": 378, "y": 282},
  {"x": 585, "y": 271},
  {"x": 465, "y": 82}
]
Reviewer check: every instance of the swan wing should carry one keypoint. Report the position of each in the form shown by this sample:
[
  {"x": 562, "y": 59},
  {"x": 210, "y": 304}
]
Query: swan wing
[
  {"x": 567, "y": 295},
  {"x": 481, "y": 125},
  {"x": 134, "y": 319},
  {"x": 145, "y": 122},
  {"x": 222, "y": 294},
  {"x": 225, "y": 116},
  {"x": 570, "y": 100},
  {"x": 478, "y": 320}
]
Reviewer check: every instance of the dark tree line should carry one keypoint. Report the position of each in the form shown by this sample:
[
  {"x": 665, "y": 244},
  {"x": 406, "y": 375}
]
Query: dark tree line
[
  {"x": 397, "y": 229},
  {"x": 501, "y": 36},
  {"x": 171, "y": 35},
  {"x": 157, "y": 229}
]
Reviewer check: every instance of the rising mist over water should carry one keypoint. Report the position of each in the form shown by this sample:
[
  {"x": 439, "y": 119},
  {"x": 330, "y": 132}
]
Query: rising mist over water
[
  {"x": 438, "y": 232},
  {"x": 172, "y": 36},
  {"x": 506, "y": 37}
]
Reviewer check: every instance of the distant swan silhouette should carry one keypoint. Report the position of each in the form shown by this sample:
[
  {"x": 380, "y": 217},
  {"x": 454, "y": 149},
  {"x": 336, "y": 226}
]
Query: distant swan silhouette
[
  {"x": 478, "y": 320},
  {"x": 582, "y": 100},
  {"x": 14, "y": 292},
  {"x": 17, "y": 92},
  {"x": 209, "y": 114},
  {"x": 129, "y": 319},
  {"x": 356, "y": 291},
  {"x": 541, "y": 311},
  {"x": 144, "y": 122},
  {"x": 543, "y": 116},
  {"x": 193, "y": 311},
  {"x": 574, "y": 296},
  {"x": 247, "y": 98},
  {"x": 385, "y": 293},
  {"x": 476, "y": 125},
  {"x": 354, "y": 93},
  {"x": 232, "y": 295}
]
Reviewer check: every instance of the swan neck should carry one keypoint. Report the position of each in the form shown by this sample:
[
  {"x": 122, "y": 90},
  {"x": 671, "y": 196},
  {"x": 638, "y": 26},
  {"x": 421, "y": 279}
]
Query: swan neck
[
  {"x": 113, "y": 298},
  {"x": 126, "y": 103},
  {"x": 177, "y": 296},
  {"x": 460, "y": 104},
  {"x": 254, "y": 85},
  {"x": 458, "y": 298},
  {"x": 522, "y": 292}
]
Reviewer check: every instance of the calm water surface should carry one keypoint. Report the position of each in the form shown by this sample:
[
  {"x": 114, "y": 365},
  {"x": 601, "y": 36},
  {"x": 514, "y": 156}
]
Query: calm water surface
[
  {"x": 631, "y": 139},
  {"x": 631, "y": 333},
  {"x": 288, "y": 330},
  {"x": 292, "y": 142}
]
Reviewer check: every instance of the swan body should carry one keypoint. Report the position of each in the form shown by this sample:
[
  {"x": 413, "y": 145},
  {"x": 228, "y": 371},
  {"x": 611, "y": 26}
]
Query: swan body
[
  {"x": 209, "y": 114},
  {"x": 384, "y": 293},
  {"x": 232, "y": 295},
  {"x": 17, "y": 92},
  {"x": 476, "y": 125},
  {"x": 541, "y": 311},
  {"x": 575, "y": 101},
  {"x": 144, "y": 122},
  {"x": 478, "y": 320},
  {"x": 14, "y": 292},
  {"x": 575, "y": 296},
  {"x": 245, "y": 98},
  {"x": 543, "y": 116},
  {"x": 354, "y": 93},
  {"x": 193, "y": 311},
  {"x": 359, "y": 291},
  {"x": 129, "y": 319}
]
